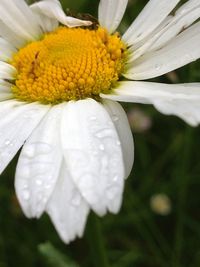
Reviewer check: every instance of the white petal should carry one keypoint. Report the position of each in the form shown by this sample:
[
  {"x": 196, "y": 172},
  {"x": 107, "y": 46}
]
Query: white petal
[
  {"x": 111, "y": 13},
  {"x": 184, "y": 17},
  {"x": 67, "y": 209},
  {"x": 10, "y": 36},
  {"x": 5, "y": 86},
  {"x": 39, "y": 165},
  {"x": 7, "y": 71},
  {"x": 180, "y": 100},
  {"x": 148, "y": 20},
  {"x": 93, "y": 154},
  {"x": 121, "y": 123},
  {"x": 19, "y": 18},
  {"x": 18, "y": 120},
  {"x": 5, "y": 96},
  {"x": 6, "y": 50},
  {"x": 5, "y": 90},
  {"x": 53, "y": 9},
  {"x": 180, "y": 51},
  {"x": 47, "y": 24}
]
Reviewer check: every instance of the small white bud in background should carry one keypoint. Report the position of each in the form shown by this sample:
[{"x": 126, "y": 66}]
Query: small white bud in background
[
  {"x": 161, "y": 204},
  {"x": 139, "y": 121}
]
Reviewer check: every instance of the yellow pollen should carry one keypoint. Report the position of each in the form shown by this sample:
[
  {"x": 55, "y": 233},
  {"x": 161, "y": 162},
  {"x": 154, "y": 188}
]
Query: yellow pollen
[{"x": 68, "y": 64}]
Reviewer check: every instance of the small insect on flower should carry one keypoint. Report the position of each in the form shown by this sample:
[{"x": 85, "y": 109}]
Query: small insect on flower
[{"x": 59, "y": 79}]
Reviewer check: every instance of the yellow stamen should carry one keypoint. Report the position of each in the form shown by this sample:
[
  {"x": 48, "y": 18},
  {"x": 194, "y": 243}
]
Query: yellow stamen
[{"x": 68, "y": 64}]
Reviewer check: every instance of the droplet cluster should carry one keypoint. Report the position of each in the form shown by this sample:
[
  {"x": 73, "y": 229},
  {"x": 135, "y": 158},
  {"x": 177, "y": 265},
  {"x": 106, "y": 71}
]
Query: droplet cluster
[{"x": 68, "y": 64}]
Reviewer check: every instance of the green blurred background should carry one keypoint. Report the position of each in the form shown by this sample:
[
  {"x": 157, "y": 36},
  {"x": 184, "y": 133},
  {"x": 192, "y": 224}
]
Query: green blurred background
[{"x": 159, "y": 223}]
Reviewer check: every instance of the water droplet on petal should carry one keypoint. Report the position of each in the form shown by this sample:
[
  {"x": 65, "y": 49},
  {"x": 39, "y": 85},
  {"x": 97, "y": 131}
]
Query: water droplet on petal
[
  {"x": 26, "y": 195},
  {"x": 7, "y": 142},
  {"x": 158, "y": 66},
  {"x": 118, "y": 143},
  {"x": 38, "y": 182},
  {"x": 104, "y": 133},
  {"x": 93, "y": 118},
  {"x": 29, "y": 151},
  {"x": 115, "y": 178},
  {"x": 115, "y": 118},
  {"x": 102, "y": 147},
  {"x": 76, "y": 200}
]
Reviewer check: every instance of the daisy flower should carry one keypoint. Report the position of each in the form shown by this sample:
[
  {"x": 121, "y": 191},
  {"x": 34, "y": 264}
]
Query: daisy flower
[{"x": 59, "y": 79}]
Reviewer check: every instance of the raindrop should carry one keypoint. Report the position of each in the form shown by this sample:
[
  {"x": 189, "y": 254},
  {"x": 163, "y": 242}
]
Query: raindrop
[
  {"x": 102, "y": 147},
  {"x": 48, "y": 186},
  {"x": 115, "y": 178},
  {"x": 29, "y": 151},
  {"x": 93, "y": 118},
  {"x": 115, "y": 118},
  {"x": 7, "y": 142},
  {"x": 39, "y": 182},
  {"x": 104, "y": 133},
  {"x": 158, "y": 66},
  {"x": 118, "y": 143},
  {"x": 26, "y": 195},
  {"x": 76, "y": 200}
]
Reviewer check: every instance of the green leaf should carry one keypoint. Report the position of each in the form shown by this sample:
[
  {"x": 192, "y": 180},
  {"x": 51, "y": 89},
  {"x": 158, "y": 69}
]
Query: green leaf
[{"x": 54, "y": 257}]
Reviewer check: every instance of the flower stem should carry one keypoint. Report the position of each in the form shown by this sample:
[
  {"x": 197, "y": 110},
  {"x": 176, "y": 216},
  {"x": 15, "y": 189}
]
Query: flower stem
[{"x": 96, "y": 242}]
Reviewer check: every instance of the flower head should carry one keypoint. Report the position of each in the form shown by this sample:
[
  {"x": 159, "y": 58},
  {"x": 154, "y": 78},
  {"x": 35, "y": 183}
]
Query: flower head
[{"x": 58, "y": 79}]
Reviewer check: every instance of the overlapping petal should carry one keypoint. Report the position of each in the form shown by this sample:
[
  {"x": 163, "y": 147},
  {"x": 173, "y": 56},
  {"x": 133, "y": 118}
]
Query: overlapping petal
[
  {"x": 18, "y": 120},
  {"x": 111, "y": 13},
  {"x": 180, "y": 100},
  {"x": 121, "y": 123},
  {"x": 172, "y": 26},
  {"x": 39, "y": 165},
  {"x": 46, "y": 23},
  {"x": 180, "y": 51},
  {"x": 7, "y": 71},
  {"x": 53, "y": 10},
  {"x": 6, "y": 49},
  {"x": 93, "y": 154},
  {"x": 19, "y": 18},
  {"x": 148, "y": 20},
  {"x": 67, "y": 208}
]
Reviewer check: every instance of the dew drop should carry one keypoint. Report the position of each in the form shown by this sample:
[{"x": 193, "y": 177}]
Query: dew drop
[
  {"x": 104, "y": 133},
  {"x": 29, "y": 151},
  {"x": 38, "y": 182},
  {"x": 118, "y": 143},
  {"x": 76, "y": 200},
  {"x": 102, "y": 147},
  {"x": 7, "y": 142},
  {"x": 158, "y": 66},
  {"x": 48, "y": 186},
  {"x": 115, "y": 118},
  {"x": 26, "y": 194},
  {"x": 93, "y": 118},
  {"x": 115, "y": 178}
]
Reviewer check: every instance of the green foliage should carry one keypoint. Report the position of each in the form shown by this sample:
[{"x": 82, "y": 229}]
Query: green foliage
[
  {"x": 166, "y": 161},
  {"x": 54, "y": 257}
]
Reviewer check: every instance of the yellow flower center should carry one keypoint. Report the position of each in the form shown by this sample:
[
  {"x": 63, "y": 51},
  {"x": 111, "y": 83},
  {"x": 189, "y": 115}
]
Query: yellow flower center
[{"x": 68, "y": 64}]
